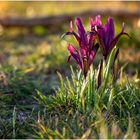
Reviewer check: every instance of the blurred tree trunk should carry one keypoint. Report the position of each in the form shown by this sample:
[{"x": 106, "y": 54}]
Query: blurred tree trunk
[{"x": 61, "y": 19}]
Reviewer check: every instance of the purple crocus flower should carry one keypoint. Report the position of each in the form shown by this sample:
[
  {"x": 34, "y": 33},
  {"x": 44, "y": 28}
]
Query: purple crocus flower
[
  {"x": 84, "y": 55},
  {"x": 107, "y": 40},
  {"x": 106, "y": 34}
]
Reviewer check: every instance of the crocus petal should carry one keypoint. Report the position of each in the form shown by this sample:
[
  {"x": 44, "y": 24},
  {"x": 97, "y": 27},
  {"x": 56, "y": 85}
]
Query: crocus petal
[
  {"x": 96, "y": 22},
  {"x": 91, "y": 38},
  {"x": 101, "y": 37},
  {"x": 71, "y": 33},
  {"x": 92, "y": 54},
  {"x": 81, "y": 31},
  {"x": 108, "y": 33},
  {"x": 110, "y": 30},
  {"x": 105, "y": 36},
  {"x": 75, "y": 54},
  {"x": 115, "y": 40},
  {"x": 91, "y": 22},
  {"x": 71, "y": 27},
  {"x": 68, "y": 58},
  {"x": 72, "y": 49}
]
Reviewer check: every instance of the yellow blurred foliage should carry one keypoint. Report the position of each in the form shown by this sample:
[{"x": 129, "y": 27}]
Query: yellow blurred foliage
[
  {"x": 3, "y": 7},
  {"x": 37, "y": 8}
]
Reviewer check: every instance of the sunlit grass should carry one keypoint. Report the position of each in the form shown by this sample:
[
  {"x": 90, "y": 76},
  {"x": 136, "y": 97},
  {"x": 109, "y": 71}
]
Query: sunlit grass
[{"x": 80, "y": 110}]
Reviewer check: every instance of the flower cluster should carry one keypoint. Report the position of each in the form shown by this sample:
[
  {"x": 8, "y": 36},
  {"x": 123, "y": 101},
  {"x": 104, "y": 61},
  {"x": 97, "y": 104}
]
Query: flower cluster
[{"x": 99, "y": 36}]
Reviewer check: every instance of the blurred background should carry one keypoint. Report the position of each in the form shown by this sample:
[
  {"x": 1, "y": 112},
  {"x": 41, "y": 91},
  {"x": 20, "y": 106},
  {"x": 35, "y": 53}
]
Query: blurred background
[{"x": 30, "y": 34}]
